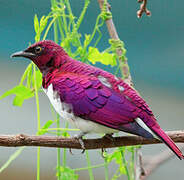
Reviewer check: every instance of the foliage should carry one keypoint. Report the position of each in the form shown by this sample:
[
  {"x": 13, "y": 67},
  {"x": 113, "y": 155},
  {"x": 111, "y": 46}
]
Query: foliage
[{"x": 66, "y": 32}]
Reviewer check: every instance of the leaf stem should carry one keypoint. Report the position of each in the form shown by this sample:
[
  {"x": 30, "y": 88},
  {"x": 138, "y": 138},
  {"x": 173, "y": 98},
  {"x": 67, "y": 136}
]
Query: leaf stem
[
  {"x": 64, "y": 20},
  {"x": 38, "y": 120},
  {"x": 89, "y": 165},
  {"x": 82, "y": 14},
  {"x": 49, "y": 26},
  {"x": 58, "y": 150},
  {"x": 125, "y": 163},
  {"x": 53, "y": 2},
  {"x": 59, "y": 129},
  {"x": 106, "y": 169},
  {"x": 64, "y": 149}
]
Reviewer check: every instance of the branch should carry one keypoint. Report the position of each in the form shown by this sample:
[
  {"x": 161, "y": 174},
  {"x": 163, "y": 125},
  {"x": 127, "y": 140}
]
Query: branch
[
  {"x": 143, "y": 9},
  {"x": 151, "y": 163},
  {"x": 139, "y": 171},
  {"x": 51, "y": 141},
  {"x": 114, "y": 35}
]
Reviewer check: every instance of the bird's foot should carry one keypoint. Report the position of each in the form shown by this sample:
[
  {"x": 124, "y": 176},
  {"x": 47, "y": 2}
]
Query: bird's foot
[
  {"x": 108, "y": 136},
  {"x": 79, "y": 138},
  {"x": 103, "y": 150}
]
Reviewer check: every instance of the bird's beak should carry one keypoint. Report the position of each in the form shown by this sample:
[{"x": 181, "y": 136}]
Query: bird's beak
[{"x": 23, "y": 54}]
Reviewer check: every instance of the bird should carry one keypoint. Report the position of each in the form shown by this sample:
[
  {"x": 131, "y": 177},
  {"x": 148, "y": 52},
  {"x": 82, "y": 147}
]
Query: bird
[{"x": 93, "y": 100}]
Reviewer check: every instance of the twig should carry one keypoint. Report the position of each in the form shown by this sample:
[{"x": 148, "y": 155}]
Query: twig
[
  {"x": 52, "y": 141},
  {"x": 114, "y": 35},
  {"x": 125, "y": 72},
  {"x": 151, "y": 163},
  {"x": 125, "y": 68},
  {"x": 143, "y": 9},
  {"x": 139, "y": 169}
]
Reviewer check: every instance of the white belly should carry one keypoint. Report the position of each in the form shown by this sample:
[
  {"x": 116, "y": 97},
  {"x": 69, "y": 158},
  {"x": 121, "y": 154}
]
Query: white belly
[{"x": 63, "y": 110}]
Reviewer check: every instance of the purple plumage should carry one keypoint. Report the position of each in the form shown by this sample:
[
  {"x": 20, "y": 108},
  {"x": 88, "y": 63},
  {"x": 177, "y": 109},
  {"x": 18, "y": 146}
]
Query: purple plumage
[{"x": 93, "y": 99}]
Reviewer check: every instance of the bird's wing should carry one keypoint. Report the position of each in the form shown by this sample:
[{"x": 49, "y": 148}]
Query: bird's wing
[{"x": 92, "y": 100}]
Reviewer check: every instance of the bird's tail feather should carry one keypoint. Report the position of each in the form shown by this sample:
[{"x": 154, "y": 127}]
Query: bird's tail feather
[{"x": 157, "y": 130}]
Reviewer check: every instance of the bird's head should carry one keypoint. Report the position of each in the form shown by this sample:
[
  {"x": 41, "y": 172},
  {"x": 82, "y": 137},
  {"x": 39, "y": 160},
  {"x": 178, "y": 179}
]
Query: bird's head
[{"x": 47, "y": 55}]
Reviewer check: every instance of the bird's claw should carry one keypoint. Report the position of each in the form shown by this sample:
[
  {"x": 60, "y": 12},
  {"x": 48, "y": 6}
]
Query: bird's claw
[
  {"x": 70, "y": 150},
  {"x": 82, "y": 144},
  {"x": 102, "y": 152},
  {"x": 79, "y": 138},
  {"x": 108, "y": 136}
]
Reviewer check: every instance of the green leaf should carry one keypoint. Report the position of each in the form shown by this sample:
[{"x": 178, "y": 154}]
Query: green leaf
[
  {"x": 122, "y": 169},
  {"x": 18, "y": 100},
  {"x": 18, "y": 90},
  {"x": 65, "y": 134},
  {"x": 66, "y": 173},
  {"x": 43, "y": 23},
  {"x": 47, "y": 124},
  {"x": 43, "y": 130},
  {"x": 21, "y": 93},
  {"x": 104, "y": 57},
  {"x": 36, "y": 24}
]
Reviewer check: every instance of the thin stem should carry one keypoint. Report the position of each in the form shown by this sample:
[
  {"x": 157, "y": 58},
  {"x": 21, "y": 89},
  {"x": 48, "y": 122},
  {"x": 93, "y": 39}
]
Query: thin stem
[
  {"x": 95, "y": 29},
  {"x": 64, "y": 20},
  {"x": 125, "y": 163},
  {"x": 82, "y": 13},
  {"x": 57, "y": 119},
  {"x": 106, "y": 169},
  {"x": 72, "y": 21},
  {"x": 64, "y": 157},
  {"x": 38, "y": 120},
  {"x": 70, "y": 13},
  {"x": 38, "y": 164},
  {"x": 60, "y": 25},
  {"x": 53, "y": 2},
  {"x": 59, "y": 129},
  {"x": 48, "y": 27},
  {"x": 37, "y": 98},
  {"x": 89, "y": 165},
  {"x": 25, "y": 73},
  {"x": 55, "y": 32},
  {"x": 12, "y": 158},
  {"x": 91, "y": 37},
  {"x": 64, "y": 149},
  {"x": 58, "y": 150},
  {"x": 132, "y": 162},
  {"x": 117, "y": 70}
]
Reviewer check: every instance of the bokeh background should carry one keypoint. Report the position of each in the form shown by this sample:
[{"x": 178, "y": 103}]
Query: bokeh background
[{"x": 155, "y": 50}]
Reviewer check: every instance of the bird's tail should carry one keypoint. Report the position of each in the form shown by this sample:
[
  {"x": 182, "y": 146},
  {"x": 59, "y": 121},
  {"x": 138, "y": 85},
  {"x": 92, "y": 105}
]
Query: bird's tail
[{"x": 151, "y": 122}]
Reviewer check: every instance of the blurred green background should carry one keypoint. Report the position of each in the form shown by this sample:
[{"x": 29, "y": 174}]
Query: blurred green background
[{"x": 155, "y": 50}]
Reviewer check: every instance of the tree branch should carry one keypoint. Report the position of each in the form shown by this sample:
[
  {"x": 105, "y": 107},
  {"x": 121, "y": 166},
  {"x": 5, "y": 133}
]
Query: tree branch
[
  {"x": 114, "y": 35},
  {"x": 51, "y": 141},
  {"x": 143, "y": 9},
  {"x": 153, "y": 162},
  {"x": 139, "y": 170}
]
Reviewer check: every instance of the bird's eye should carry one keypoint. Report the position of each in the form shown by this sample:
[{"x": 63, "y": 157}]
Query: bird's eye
[{"x": 38, "y": 49}]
